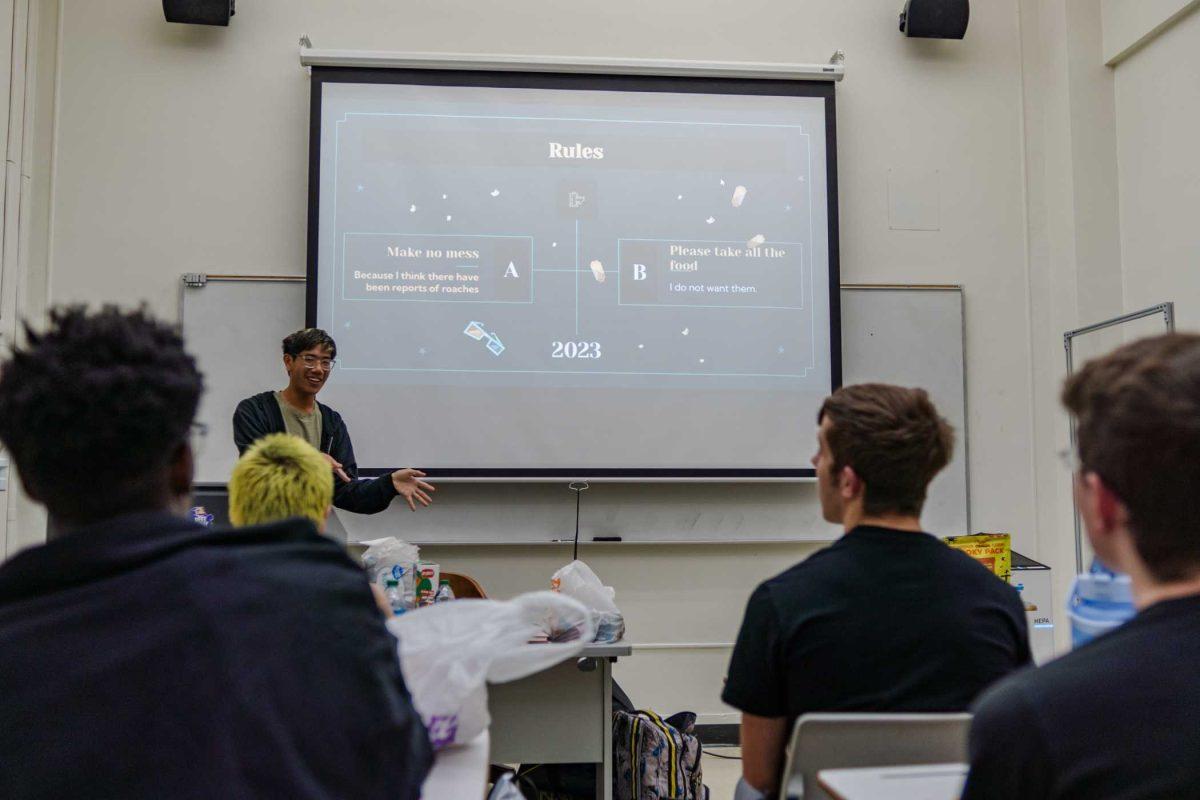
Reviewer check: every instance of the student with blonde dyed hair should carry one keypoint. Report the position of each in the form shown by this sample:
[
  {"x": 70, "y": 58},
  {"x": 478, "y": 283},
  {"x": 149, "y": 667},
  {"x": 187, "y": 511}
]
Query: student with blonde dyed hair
[{"x": 280, "y": 476}]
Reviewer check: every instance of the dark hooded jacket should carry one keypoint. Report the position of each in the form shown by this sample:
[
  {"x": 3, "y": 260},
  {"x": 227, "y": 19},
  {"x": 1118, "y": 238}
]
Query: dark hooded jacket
[
  {"x": 259, "y": 415},
  {"x": 146, "y": 656}
]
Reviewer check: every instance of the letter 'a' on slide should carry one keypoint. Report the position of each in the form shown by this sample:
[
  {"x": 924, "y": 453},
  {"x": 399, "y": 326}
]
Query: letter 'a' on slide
[{"x": 597, "y": 271}]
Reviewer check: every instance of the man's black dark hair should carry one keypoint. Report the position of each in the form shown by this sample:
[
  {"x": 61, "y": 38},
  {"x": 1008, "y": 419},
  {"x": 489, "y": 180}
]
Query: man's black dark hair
[
  {"x": 296, "y": 343},
  {"x": 94, "y": 409}
]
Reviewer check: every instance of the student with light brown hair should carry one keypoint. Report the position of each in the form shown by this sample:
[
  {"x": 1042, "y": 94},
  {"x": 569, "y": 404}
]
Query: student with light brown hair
[
  {"x": 888, "y": 618},
  {"x": 1120, "y": 716}
]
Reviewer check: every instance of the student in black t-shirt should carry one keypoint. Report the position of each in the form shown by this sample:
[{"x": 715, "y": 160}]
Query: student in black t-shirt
[
  {"x": 1120, "y": 716},
  {"x": 888, "y": 618}
]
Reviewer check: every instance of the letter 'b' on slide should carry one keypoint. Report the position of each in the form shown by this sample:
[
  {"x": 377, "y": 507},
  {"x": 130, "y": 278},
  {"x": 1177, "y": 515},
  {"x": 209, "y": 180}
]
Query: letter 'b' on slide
[{"x": 639, "y": 272}]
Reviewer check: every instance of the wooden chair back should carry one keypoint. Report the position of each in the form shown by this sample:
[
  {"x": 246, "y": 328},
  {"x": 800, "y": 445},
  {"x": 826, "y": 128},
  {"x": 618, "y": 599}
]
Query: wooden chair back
[{"x": 463, "y": 585}]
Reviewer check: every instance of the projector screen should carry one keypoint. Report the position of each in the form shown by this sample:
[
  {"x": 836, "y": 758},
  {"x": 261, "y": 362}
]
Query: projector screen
[{"x": 534, "y": 275}]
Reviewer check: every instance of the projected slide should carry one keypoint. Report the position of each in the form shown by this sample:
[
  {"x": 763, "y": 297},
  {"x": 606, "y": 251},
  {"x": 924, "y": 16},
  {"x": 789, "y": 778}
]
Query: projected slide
[{"x": 561, "y": 257}]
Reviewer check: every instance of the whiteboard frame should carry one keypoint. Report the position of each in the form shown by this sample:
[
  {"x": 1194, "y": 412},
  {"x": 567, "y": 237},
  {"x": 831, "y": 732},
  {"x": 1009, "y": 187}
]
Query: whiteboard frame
[
  {"x": 965, "y": 438},
  {"x": 355, "y": 522}
]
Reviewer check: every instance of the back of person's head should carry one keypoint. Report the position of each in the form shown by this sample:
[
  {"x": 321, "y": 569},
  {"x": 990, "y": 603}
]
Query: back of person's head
[
  {"x": 96, "y": 413},
  {"x": 894, "y": 440},
  {"x": 306, "y": 339},
  {"x": 280, "y": 476},
  {"x": 1138, "y": 424}
]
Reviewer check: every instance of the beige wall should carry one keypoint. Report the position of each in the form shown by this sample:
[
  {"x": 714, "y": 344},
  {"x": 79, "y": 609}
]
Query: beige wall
[
  {"x": 1158, "y": 140},
  {"x": 1073, "y": 235},
  {"x": 182, "y": 149},
  {"x": 1113, "y": 175},
  {"x": 29, "y": 53},
  {"x": 1131, "y": 24},
  {"x": 1050, "y": 262}
]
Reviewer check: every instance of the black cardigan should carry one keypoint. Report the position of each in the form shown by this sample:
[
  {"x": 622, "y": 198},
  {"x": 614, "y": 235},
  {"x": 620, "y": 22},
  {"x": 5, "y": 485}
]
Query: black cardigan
[{"x": 259, "y": 415}]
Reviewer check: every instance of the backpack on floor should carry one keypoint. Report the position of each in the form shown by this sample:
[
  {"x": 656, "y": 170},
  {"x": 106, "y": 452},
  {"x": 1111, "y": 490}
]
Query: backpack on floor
[
  {"x": 656, "y": 759},
  {"x": 578, "y": 781}
]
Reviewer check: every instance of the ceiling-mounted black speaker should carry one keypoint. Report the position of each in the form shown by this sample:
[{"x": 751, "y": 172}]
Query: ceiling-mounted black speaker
[
  {"x": 198, "y": 12},
  {"x": 935, "y": 19}
]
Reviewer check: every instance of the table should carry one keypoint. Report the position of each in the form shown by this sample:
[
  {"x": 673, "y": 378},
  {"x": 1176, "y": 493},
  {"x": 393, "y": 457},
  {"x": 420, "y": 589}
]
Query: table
[
  {"x": 561, "y": 715},
  {"x": 919, "y": 782},
  {"x": 459, "y": 773}
]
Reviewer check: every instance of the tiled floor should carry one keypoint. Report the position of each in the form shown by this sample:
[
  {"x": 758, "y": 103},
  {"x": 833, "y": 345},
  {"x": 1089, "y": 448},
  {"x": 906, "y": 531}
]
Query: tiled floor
[{"x": 721, "y": 774}]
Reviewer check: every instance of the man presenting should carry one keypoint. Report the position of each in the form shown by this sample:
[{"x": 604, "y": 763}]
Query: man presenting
[
  {"x": 309, "y": 356},
  {"x": 887, "y": 618}
]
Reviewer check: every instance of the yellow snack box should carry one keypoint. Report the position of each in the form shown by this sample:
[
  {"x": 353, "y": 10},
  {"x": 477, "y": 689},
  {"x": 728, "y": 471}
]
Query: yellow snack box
[{"x": 993, "y": 550}]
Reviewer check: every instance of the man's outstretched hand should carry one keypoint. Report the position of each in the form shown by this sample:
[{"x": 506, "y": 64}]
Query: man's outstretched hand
[
  {"x": 409, "y": 485},
  {"x": 337, "y": 468}
]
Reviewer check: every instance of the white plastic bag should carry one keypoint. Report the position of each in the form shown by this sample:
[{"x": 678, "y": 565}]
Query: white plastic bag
[
  {"x": 576, "y": 580},
  {"x": 391, "y": 559},
  {"x": 448, "y": 652}
]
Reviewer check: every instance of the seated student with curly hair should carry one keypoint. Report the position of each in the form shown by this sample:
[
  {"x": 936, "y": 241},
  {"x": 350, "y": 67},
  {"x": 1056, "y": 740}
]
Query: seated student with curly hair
[{"x": 145, "y": 656}]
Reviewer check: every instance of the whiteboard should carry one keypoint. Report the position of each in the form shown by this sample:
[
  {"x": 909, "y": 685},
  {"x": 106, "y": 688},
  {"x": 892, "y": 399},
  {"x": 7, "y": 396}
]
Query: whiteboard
[{"x": 907, "y": 335}]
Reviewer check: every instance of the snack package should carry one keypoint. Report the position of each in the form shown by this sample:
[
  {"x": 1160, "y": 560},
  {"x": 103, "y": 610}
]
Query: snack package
[
  {"x": 428, "y": 579},
  {"x": 993, "y": 550}
]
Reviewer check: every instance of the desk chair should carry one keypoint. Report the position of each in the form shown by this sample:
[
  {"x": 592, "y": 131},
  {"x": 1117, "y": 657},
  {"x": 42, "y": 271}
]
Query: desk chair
[
  {"x": 833, "y": 741},
  {"x": 463, "y": 585}
]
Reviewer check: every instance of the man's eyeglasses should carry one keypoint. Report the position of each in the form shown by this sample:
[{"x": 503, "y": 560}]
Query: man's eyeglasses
[
  {"x": 312, "y": 362},
  {"x": 1070, "y": 459}
]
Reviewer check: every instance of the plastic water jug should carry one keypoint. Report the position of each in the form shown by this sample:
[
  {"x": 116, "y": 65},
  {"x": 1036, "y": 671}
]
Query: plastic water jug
[{"x": 1101, "y": 600}]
